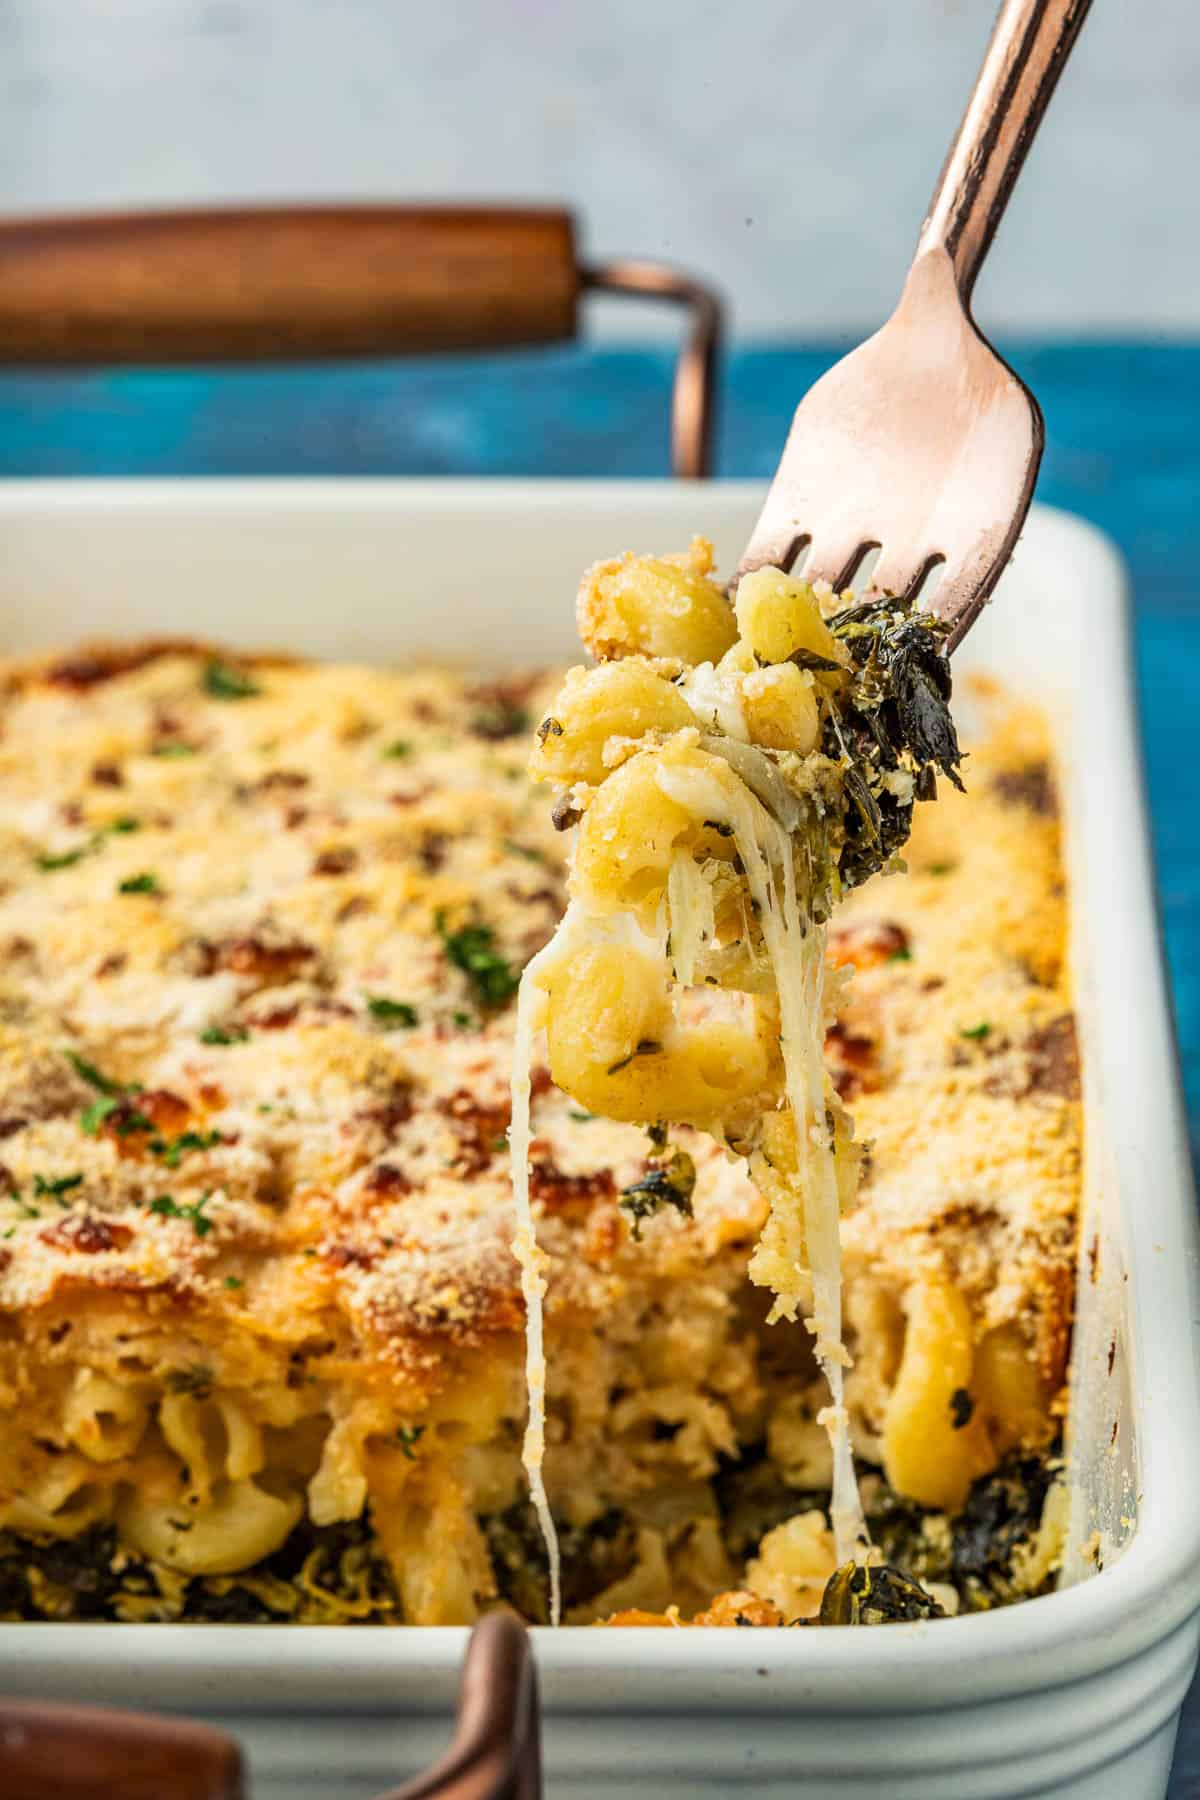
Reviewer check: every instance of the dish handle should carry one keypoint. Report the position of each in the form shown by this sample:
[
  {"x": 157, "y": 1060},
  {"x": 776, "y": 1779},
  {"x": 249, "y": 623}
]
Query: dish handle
[
  {"x": 92, "y": 1753},
  {"x": 304, "y": 283}
]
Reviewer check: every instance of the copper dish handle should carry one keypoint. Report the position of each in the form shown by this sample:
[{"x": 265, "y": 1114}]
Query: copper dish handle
[
  {"x": 319, "y": 282},
  {"x": 496, "y": 1753},
  {"x": 91, "y": 1753},
  {"x": 1029, "y": 46}
]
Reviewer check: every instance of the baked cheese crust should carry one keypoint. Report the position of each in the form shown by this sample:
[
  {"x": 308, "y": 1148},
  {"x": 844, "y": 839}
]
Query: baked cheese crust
[{"x": 261, "y": 924}]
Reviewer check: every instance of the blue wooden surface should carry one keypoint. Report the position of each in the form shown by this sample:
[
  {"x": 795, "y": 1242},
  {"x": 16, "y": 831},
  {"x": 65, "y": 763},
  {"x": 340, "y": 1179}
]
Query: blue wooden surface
[{"x": 1123, "y": 449}]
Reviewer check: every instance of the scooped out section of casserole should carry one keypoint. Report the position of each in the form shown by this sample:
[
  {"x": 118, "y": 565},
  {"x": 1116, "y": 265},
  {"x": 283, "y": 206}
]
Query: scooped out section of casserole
[{"x": 261, "y": 1326}]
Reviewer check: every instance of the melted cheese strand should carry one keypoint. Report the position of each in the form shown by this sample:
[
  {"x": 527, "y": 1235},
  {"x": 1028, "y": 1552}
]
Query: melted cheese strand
[
  {"x": 797, "y": 951},
  {"x": 532, "y": 1261},
  {"x": 796, "y": 948}
]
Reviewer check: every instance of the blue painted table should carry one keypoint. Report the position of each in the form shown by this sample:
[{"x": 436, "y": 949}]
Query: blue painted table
[{"x": 1123, "y": 449}]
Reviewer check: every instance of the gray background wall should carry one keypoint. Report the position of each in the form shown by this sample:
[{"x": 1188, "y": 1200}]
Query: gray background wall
[{"x": 786, "y": 145}]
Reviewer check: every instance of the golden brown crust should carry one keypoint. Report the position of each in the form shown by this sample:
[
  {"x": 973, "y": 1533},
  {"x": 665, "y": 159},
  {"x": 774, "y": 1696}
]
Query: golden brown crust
[{"x": 303, "y": 1194}]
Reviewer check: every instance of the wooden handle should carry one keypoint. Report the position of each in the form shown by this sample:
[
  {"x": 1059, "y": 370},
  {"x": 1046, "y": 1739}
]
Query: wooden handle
[
  {"x": 283, "y": 283},
  {"x": 88, "y": 1753}
]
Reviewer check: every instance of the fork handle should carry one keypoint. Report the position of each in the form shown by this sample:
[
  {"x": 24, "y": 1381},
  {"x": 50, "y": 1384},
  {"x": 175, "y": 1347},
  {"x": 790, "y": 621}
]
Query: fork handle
[{"x": 1030, "y": 43}]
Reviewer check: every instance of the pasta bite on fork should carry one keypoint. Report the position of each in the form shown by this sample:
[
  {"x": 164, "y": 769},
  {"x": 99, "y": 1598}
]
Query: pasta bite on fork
[{"x": 730, "y": 770}]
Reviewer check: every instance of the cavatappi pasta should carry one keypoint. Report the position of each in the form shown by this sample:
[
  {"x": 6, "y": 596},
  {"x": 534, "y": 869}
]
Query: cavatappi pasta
[{"x": 261, "y": 1327}]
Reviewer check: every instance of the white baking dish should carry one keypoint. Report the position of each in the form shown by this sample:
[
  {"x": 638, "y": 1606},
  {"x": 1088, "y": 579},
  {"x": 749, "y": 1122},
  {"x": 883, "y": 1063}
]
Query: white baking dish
[{"x": 1073, "y": 1695}]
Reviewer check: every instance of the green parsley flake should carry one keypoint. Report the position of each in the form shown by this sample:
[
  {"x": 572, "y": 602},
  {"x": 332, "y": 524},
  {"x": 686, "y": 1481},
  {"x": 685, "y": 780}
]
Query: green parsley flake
[
  {"x": 169, "y": 1208},
  {"x": 55, "y": 1188},
  {"x": 87, "y": 1071},
  {"x": 471, "y": 950},
  {"x": 224, "y": 681},
  {"x": 145, "y": 883},
  {"x": 398, "y": 749},
  {"x": 66, "y": 861},
  {"x": 172, "y": 1151},
  {"x": 225, "y": 1034},
  {"x": 119, "y": 827},
  {"x": 173, "y": 750},
  {"x": 408, "y": 1436},
  {"x": 976, "y": 1032},
  {"x": 390, "y": 1013}
]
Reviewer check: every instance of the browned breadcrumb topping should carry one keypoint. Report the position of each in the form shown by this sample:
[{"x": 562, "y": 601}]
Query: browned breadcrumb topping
[{"x": 254, "y": 1092}]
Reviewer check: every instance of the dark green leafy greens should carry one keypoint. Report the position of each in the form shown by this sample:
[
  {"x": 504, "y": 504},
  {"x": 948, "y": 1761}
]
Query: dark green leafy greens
[
  {"x": 593, "y": 1557},
  {"x": 669, "y": 1181},
  {"x": 895, "y": 716},
  {"x": 322, "y": 1575},
  {"x": 857, "y": 1594}
]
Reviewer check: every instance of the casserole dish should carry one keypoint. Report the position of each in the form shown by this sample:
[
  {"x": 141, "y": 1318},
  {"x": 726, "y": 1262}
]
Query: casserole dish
[{"x": 1073, "y": 1694}]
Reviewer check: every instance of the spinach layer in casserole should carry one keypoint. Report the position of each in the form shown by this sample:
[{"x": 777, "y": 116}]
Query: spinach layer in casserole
[{"x": 260, "y": 1325}]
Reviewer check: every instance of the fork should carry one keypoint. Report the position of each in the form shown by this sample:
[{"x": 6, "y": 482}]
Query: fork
[{"x": 922, "y": 443}]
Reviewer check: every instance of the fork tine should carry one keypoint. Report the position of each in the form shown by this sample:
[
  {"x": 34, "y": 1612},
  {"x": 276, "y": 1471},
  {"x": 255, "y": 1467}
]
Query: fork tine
[
  {"x": 776, "y": 540},
  {"x": 901, "y": 571},
  {"x": 836, "y": 562}
]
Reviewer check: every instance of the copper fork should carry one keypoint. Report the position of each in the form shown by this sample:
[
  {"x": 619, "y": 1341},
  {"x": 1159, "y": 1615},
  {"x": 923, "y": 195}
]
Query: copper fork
[{"x": 922, "y": 444}]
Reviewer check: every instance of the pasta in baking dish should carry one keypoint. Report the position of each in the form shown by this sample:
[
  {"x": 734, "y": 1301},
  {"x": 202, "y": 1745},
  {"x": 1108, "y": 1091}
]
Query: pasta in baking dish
[{"x": 261, "y": 1325}]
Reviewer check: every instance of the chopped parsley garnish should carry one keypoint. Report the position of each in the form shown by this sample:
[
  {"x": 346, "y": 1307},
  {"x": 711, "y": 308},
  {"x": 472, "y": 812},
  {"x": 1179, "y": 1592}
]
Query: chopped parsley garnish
[
  {"x": 65, "y": 861},
  {"x": 173, "y": 749},
  {"x": 463, "y": 1020},
  {"x": 581, "y": 1118},
  {"x": 55, "y": 1188},
  {"x": 940, "y": 868},
  {"x": 224, "y": 681},
  {"x": 169, "y": 1208},
  {"x": 68, "y": 858},
  {"x": 398, "y": 749},
  {"x": 225, "y": 1034},
  {"x": 132, "y": 1120},
  {"x": 145, "y": 883},
  {"x": 471, "y": 950},
  {"x": 390, "y": 1013},
  {"x": 128, "y": 1121},
  {"x": 87, "y": 1071},
  {"x": 904, "y": 954},
  {"x": 233, "y": 1281},
  {"x": 173, "y": 1150},
  {"x": 976, "y": 1032},
  {"x": 408, "y": 1437}
]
